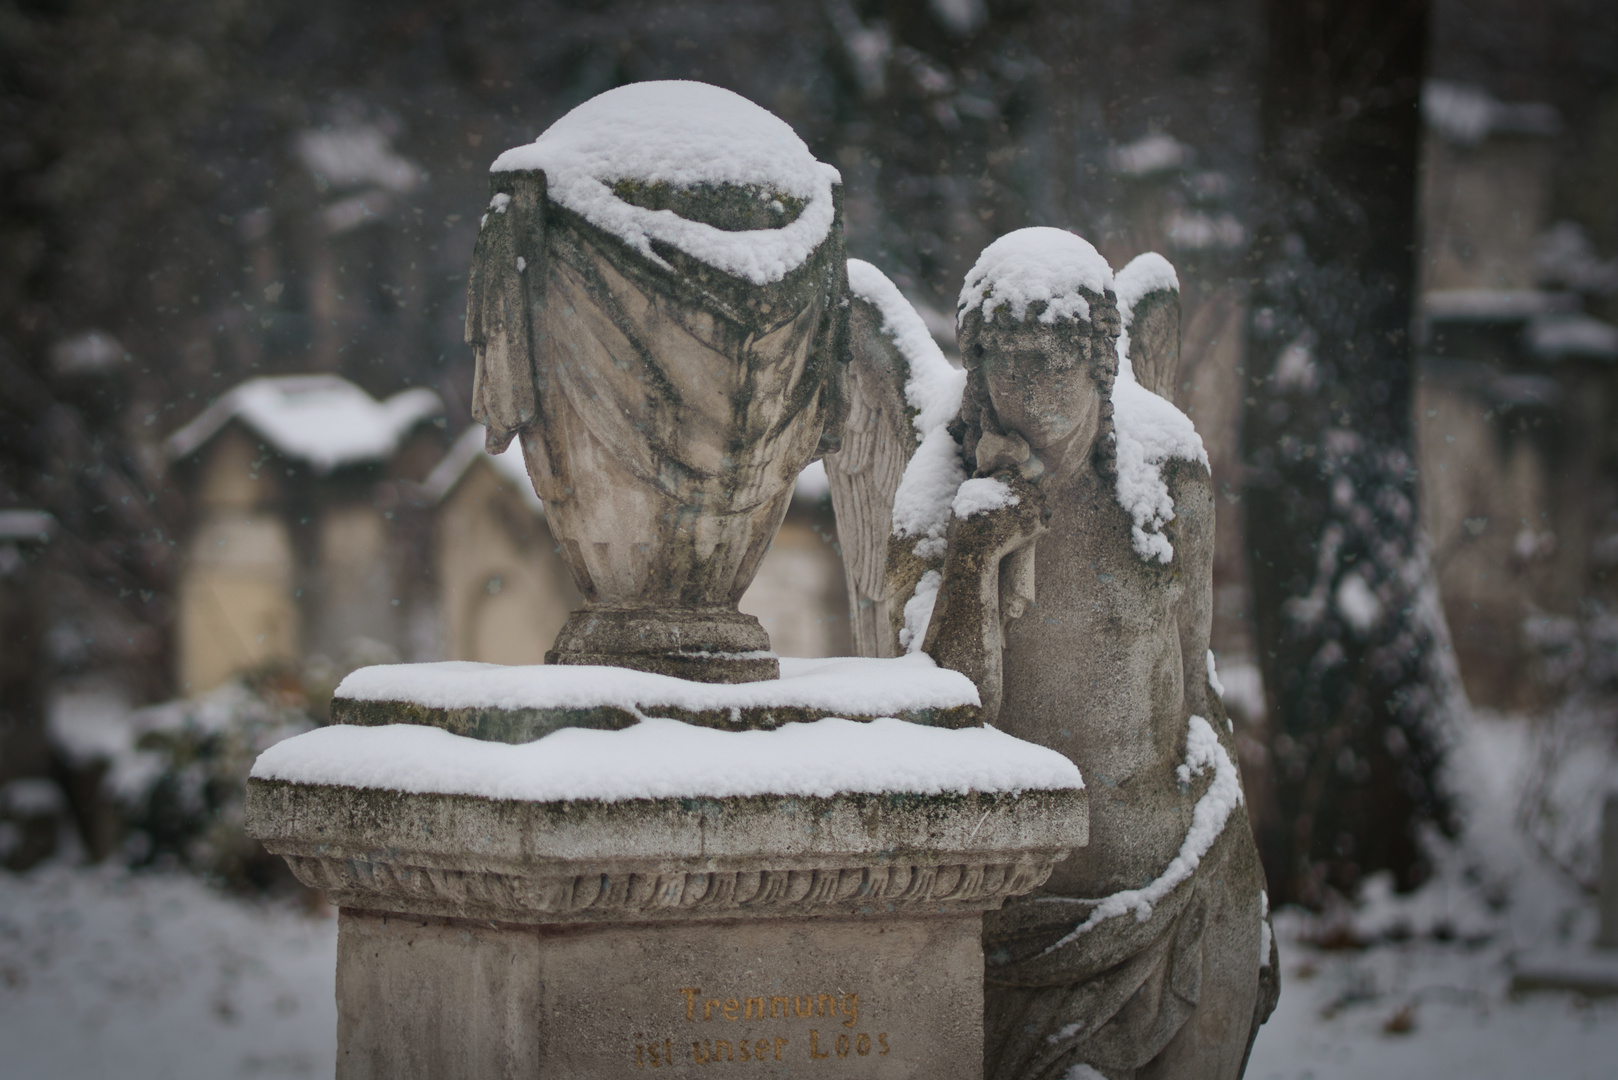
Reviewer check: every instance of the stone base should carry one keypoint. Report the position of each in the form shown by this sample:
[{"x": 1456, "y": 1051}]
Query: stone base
[
  {"x": 835, "y": 998},
  {"x": 834, "y": 936},
  {"x": 703, "y": 646}
]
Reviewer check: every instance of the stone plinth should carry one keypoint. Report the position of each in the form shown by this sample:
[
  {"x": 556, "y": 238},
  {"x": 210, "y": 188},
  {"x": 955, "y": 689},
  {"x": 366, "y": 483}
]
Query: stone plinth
[
  {"x": 497, "y": 703},
  {"x": 832, "y": 936}
]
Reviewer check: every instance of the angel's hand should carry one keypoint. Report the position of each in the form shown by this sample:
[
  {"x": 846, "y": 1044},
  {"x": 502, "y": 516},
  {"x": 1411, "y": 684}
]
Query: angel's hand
[{"x": 1015, "y": 524}]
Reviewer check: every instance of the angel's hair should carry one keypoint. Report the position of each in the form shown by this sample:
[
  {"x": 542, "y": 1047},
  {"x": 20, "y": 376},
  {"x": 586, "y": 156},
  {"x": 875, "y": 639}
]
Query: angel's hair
[{"x": 977, "y": 409}]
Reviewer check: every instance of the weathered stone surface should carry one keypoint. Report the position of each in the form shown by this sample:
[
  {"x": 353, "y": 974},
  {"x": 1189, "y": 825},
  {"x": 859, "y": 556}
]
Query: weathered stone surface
[
  {"x": 513, "y": 726},
  {"x": 525, "y": 725},
  {"x": 1154, "y": 341},
  {"x": 524, "y": 703},
  {"x": 587, "y": 939},
  {"x": 646, "y": 860},
  {"x": 696, "y": 644},
  {"x": 665, "y": 412},
  {"x": 1108, "y": 667},
  {"x": 791, "y": 997}
]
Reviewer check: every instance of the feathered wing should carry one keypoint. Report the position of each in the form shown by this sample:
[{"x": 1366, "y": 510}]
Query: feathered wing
[
  {"x": 1149, "y": 304},
  {"x": 878, "y": 441}
]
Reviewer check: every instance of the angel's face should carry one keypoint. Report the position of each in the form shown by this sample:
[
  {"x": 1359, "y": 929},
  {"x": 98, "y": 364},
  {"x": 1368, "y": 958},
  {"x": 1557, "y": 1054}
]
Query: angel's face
[{"x": 1040, "y": 377}]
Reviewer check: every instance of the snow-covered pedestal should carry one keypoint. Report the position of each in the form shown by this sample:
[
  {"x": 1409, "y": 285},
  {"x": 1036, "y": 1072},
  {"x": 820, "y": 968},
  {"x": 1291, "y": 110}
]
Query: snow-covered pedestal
[{"x": 806, "y": 900}]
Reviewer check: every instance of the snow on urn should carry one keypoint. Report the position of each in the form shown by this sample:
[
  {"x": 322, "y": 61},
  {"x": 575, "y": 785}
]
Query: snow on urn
[{"x": 657, "y": 302}]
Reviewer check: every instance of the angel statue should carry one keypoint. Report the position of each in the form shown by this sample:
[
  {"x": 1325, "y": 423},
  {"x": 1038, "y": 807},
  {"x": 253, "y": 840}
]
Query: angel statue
[
  {"x": 657, "y": 303},
  {"x": 1059, "y": 551}
]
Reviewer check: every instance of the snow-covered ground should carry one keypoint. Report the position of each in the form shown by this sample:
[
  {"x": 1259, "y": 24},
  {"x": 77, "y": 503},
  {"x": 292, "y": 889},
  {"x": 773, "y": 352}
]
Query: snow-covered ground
[
  {"x": 1437, "y": 1004},
  {"x": 144, "y": 976},
  {"x": 1424, "y": 1011},
  {"x": 108, "y": 973}
]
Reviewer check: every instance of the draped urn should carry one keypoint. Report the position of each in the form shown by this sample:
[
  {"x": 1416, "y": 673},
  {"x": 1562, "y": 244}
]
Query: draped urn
[{"x": 658, "y": 308}]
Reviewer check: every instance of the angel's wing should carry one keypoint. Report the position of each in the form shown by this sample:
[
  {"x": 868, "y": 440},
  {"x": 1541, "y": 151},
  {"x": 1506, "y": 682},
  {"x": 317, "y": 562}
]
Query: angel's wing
[
  {"x": 877, "y": 444},
  {"x": 503, "y": 295},
  {"x": 890, "y": 350},
  {"x": 1149, "y": 304}
]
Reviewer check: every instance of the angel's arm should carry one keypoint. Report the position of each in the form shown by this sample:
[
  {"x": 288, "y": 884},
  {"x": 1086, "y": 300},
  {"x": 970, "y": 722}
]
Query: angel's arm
[{"x": 988, "y": 578}]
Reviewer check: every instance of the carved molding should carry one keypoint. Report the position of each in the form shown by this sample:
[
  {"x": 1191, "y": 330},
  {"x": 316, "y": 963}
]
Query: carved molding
[{"x": 854, "y": 888}]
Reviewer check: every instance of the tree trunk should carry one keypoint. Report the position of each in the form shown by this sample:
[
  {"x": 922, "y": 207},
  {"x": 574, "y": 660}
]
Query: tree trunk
[{"x": 1352, "y": 644}]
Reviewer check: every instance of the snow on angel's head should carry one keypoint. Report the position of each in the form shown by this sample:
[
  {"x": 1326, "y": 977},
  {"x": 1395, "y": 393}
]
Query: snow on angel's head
[
  {"x": 692, "y": 166},
  {"x": 1041, "y": 265},
  {"x": 1037, "y": 328}
]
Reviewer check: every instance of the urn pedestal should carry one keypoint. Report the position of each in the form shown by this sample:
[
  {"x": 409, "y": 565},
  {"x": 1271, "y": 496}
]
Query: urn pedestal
[{"x": 783, "y": 935}]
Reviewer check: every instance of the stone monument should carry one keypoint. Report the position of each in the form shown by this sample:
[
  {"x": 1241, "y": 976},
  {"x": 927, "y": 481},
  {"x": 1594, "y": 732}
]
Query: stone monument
[
  {"x": 666, "y": 849},
  {"x": 1074, "y": 588}
]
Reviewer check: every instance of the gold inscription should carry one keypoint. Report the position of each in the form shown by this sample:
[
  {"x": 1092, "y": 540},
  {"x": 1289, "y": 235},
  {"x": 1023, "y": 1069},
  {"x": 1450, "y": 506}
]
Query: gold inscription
[
  {"x": 655, "y": 1055},
  {"x": 843, "y": 1007},
  {"x": 804, "y": 1007}
]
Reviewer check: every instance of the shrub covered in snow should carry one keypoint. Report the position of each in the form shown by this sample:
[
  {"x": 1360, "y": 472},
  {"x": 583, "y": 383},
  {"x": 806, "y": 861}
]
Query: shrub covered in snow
[
  {"x": 181, "y": 780},
  {"x": 1576, "y": 746},
  {"x": 174, "y": 775}
]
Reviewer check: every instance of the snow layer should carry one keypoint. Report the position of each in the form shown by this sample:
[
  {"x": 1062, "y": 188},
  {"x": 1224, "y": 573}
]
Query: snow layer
[
  {"x": 921, "y": 503},
  {"x": 32, "y": 525},
  {"x": 1560, "y": 337},
  {"x": 918, "y": 613},
  {"x": 933, "y": 387},
  {"x": 980, "y": 495},
  {"x": 1038, "y": 264},
  {"x": 89, "y": 725},
  {"x": 852, "y": 686},
  {"x": 323, "y": 420},
  {"x": 1208, "y": 818},
  {"x": 1146, "y": 273},
  {"x": 1213, "y": 677},
  {"x": 1357, "y": 603},
  {"x": 1266, "y": 936},
  {"x": 663, "y": 759},
  {"x": 683, "y": 134},
  {"x": 355, "y": 156},
  {"x": 1465, "y": 114},
  {"x": 31, "y": 797},
  {"x": 1496, "y": 305},
  {"x": 1151, "y": 432},
  {"x": 1148, "y": 155},
  {"x": 151, "y": 976}
]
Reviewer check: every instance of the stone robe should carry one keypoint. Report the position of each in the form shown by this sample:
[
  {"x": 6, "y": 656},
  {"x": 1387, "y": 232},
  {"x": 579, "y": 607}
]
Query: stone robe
[{"x": 1107, "y": 667}]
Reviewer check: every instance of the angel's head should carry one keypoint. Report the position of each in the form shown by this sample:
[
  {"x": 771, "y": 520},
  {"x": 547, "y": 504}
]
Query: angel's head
[{"x": 1038, "y": 333}]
